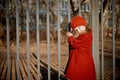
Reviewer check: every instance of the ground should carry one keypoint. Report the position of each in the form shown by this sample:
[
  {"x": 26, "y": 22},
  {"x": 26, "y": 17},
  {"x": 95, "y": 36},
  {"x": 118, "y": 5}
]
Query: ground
[{"x": 53, "y": 60}]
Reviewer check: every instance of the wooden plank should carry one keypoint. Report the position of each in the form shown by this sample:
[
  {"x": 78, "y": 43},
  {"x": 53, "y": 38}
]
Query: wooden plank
[
  {"x": 22, "y": 69},
  {"x": 1, "y": 57},
  {"x": 35, "y": 59},
  {"x": 33, "y": 73},
  {"x": 33, "y": 55},
  {"x": 13, "y": 68},
  {"x": 33, "y": 70},
  {"x": 16, "y": 69},
  {"x": 63, "y": 66},
  {"x": 2, "y": 63},
  {"x": 41, "y": 64},
  {"x": 54, "y": 66},
  {"x": 34, "y": 63},
  {"x": 4, "y": 69},
  {"x": 25, "y": 65},
  {"x": 15, "y": 63}
]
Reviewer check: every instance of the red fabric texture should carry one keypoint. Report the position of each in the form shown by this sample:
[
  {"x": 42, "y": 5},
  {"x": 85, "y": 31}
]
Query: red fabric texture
[
  {"x": 80, "y": 64},
  {"x": 77, "y": 21}
]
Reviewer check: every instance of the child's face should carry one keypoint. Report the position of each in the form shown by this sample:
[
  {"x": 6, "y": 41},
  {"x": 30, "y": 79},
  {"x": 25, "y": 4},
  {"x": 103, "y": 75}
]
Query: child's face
[{"x": 80, "y": 29}]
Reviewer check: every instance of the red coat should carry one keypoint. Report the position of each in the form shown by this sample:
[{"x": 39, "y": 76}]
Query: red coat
[{"x": 80, "y": 64}]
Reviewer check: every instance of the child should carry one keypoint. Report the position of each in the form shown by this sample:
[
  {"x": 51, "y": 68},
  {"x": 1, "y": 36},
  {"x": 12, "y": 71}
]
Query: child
[{"x": 80, "y": 64}]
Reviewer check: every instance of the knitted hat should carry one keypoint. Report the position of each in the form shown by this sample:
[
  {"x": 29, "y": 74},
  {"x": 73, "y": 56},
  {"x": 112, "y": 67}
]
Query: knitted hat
[{"x": 77, "y": 21}]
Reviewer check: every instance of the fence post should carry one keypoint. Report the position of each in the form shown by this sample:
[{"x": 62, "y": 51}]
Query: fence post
[
  {"x": 95, "y": 29},
  {"x": 8, "y": 40},
  {"x": 48, "y": 38},
  {"x": 59, "y": 57},
  {"x": 113, "y": 36},
  {"x": 17, "y": 42},
  {"x": 28, "y": 38},
  {"x": 38, "y": 37},
  {"x": 102, "y": 41}
]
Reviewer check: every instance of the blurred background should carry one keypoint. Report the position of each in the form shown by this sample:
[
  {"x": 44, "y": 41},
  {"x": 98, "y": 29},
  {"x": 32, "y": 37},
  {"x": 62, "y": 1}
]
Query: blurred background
[{"x": 59, "y": 18}]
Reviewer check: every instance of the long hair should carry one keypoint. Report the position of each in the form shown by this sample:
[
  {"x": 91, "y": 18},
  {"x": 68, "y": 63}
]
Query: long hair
[{"x": 88, "y": 29}]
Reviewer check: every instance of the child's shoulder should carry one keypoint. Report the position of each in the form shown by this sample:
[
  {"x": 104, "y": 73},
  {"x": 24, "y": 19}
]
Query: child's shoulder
[{"x": 85, "y": 35}]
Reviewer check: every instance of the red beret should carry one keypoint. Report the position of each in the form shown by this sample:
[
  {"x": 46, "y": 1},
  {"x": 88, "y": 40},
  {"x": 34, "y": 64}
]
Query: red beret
[{"x": 77, "y": 21}]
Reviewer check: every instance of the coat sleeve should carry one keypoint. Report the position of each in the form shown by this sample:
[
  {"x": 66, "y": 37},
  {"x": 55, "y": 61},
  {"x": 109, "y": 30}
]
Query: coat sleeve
[{"x": 76, "y": 43}]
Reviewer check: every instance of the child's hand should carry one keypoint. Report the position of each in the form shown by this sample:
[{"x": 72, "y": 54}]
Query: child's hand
[{"x": 69, "y": 34}]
